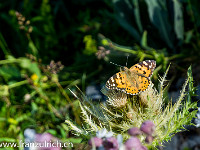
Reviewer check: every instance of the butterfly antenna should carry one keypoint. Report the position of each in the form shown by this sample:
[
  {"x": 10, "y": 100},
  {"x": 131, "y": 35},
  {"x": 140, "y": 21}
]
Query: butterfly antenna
[
  {"x": 127, "y": 60},
  {"x": 116, "y": 64}
]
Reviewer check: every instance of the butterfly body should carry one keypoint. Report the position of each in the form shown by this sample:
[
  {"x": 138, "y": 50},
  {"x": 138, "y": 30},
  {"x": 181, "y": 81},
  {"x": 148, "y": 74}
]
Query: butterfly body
[{"x": 134, "y": 80}]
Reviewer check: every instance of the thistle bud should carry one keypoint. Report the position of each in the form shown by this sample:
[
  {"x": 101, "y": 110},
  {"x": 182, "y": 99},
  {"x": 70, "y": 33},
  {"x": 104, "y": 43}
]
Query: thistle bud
[
  {"x": 134, "y": 131},
  {"x": 148, "y": 127},
  {"x": 96, "y": 141}
]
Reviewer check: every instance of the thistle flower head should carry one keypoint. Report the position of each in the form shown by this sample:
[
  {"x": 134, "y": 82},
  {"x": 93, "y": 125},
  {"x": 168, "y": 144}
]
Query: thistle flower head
[
  {"x": 116, "y": 99},
  {"x": 150, "y": 94}
]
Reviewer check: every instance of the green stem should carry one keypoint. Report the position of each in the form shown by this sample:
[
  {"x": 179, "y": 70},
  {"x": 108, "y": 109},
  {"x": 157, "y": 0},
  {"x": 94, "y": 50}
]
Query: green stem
[
  {"x": 128, "y": 50},
  {"x": 17, "y": 84},
  {"x": 122, "y": 49},
  {"x": 70, "y": 102},
  {"x": 8, "y": 61},
  {"x": 175, "y": 56}
]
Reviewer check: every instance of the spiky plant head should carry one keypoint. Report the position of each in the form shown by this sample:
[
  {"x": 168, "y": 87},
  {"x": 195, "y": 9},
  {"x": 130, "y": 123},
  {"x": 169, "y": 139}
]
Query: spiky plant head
[{"x": 116, "y": 99}]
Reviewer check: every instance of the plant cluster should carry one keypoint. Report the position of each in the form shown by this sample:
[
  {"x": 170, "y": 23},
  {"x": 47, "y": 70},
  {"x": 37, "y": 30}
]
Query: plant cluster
[
  {"x": 122, "y": 112},
  {"x": 104, "y": 140}
]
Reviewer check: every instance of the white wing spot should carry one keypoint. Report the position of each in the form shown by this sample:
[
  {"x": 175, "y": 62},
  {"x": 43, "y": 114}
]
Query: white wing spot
[{"x": 145, "y": 63}]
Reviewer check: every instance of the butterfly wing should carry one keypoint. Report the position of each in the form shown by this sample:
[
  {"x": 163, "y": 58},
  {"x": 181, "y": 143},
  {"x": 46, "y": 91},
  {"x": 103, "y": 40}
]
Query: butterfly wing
[
  {"x": 144, "y": 68},
  {"x": 134, "y": 80},
  {"x": 121, "y": 81},
  {"x": 117, "y": 81},
  {"x": 143, "y": 71}
]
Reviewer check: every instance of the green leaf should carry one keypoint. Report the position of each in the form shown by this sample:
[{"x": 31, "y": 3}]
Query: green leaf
[
  {"x": 37, "y": 19},
  {"x": 90, "y": 45},
  {"x": 144, "y": 40},
  {"x": 125, "y": 16},
  {"x": 178, "y": 19},
  {"x": 159, "y": 17},
  {"x": 10, "y": 57},
  {"x": 63, "y": 130},
  {"x": 192, "y": 89},
  {"x": 25, "y": 63},
  {"x": 188, "y": 36},
  {"x": 6, "y": 139},
  {"x": 34, "y": 107},
  {"x": 75, "y": 140},
  {"x": 9, "y": 72},
  {"x": 4, "y": 90},
  {"x": 33, "y": 48},
  {"x": 51, "y": 131},
  {"x": 136, "y": 11},
  {"x": 3, "y": 45},
  {"x": 7, "y": 148}
]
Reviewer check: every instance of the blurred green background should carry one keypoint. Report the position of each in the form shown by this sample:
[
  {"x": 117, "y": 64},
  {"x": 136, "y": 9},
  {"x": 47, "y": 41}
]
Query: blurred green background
[{"x": 48, "y": 46}]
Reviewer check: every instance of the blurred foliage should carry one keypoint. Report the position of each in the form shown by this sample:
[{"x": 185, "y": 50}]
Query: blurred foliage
[
  {"x": 28, "y": 98},
  {"x": 85, "y": 35},
  {"x": 166, "y": 31}
]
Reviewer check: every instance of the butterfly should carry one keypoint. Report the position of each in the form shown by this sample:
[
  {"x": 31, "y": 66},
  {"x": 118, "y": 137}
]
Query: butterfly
[{"x": 134, "y": 80}]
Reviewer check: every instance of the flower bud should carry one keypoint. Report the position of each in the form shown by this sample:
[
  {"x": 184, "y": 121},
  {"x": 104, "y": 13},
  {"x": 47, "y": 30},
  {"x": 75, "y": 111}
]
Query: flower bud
[
  {"x": 133, "y": 143},
  {"x": 96, "y": 141},
  {"x": 134, "y": 131},
  {"x": 111, "y": 143},
  {"x": 149, "y": 139},
  {"x": 148, "y": 127},
  {"x": 143, "y": 148}
]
